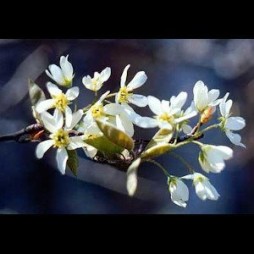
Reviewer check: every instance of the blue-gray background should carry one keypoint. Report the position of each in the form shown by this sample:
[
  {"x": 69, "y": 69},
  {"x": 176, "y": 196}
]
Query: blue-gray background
[{"x": 28, "y": 185}]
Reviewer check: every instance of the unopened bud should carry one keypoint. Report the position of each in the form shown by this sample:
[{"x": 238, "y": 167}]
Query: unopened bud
[{"x": 207, "y": 114}]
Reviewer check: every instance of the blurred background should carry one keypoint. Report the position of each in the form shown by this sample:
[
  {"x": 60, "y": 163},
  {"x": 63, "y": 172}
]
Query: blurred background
[{"x": 28, "y": 185}]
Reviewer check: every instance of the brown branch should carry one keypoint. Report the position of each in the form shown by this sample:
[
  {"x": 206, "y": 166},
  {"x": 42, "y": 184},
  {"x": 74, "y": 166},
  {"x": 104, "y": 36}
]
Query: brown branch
[{"x": 25, "y": 135}]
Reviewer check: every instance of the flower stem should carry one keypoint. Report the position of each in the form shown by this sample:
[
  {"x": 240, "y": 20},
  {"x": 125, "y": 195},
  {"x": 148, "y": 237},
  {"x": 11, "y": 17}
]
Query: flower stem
[
  {"x": 184, "y": 162},
  {"x": 210, "y": 127},
  {"x": 159, "y": 166},
  {"x": 111, "y": 95}
]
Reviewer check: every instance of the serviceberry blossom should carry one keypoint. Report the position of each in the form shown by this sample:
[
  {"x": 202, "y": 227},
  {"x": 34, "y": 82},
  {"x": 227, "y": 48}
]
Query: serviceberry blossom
[
  {"x": 204, "y": 189},
  {"x": 62, "y": 75},
  {"x": 97, "y": 81},
  {"x": 231, "y": 123},
  {"x": 59, "y": 100},
  {"x": 59, "y": 137},
  {"x": 203, "y": 98},
  {"x": 106, "y": 129},
  {"x": 211, "y": 158},
  {"x": 179, "y": 191}
]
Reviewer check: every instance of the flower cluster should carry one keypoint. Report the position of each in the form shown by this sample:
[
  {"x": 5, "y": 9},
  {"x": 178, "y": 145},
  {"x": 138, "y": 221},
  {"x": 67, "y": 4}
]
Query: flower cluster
[{"x": 104, "y": 128}]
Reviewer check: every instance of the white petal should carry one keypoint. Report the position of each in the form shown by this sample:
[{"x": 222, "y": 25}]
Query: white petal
[
  {"x": 154, "y": 104},
  {"x": 124, "y": 124},
  {"x": 105, "y": 74},
  {"x": 58, "y": 118},
  {"x": 61, "y": 158},
  {"x": 185, "y": 117},
  {"x": 235, "y": 138},
  {"x": 43, "y": 147},
  {"x": 90, "y": 151},
  {"x": 213, "y": 95},
  {"x": 224, "y": 152},
  {"x": 145, "y": 122},
  {"x": 76, "y": 117},
  {"x": 188, "y": 177},
  {"x": 112, "y": 109},
  {"x": 228, "y": 106},
  {"x": 57, "y": 74},
  {"x": 222, "y": 107},
  {"x": 179, "y": 193},
  {"x": 66, "y": 67},
  {"x": 124, "y": 75},
  {"x": 179, "y": 101},
  {"x": 72, "y": 93},
  {"x": 49, "y": 122},
  {"x": 44, "y": 105},
  {"x": 76, "y": 142},
  {"x": 165, "y": 107},
  {"x": 200, "y": 191},
  {"x": 138, "y": 100},
  {"x": 129, "y": 111},
  {"x": 139, "y": 79},
  {"x": 235, "y": 123},
  {"x": 212, "y": 193},
  {"x": 53, "y": 89},
  {"x": 200, "y": 92},
  {"x": 68, "y": 117},
  {"x": 87, "y": 82}
]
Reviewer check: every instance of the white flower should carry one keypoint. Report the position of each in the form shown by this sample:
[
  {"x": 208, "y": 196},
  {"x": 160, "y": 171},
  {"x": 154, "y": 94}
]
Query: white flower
[
  {"x": 229, "y": 123},
  {"x": 125, "y": 95},
  {"x": 179, "y": 191},
  {"x": 204, "y": 189},
  {"x": 97, "y": 111},
  {"x": 204, "y": 98},
  {"x": 211, "y": 158},
  {"x": 121, "y": 117},
  {"x": 59, "y": 137},
  {"x": 97, "y": 81},
  {"x": 167, "y": 114},
  {"x": 58, "y": 100},
  {"x": 64, "y": 75}
]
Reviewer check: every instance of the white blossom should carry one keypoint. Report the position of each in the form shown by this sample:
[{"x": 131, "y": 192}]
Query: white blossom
[
  {"x": 59, "y": 100},
  {"x": 59, "y": 137},
  {"x": 125, "y": 94},
  {"x": 204, "y": 98},
  {"x": 62, "y": 75},
  {"x": 167, "y": 114},
  {"x": 211, "y": 158},
  {"x": 231, "y": 123},
  {"x": 179, "y": 191},
  {"x": 97, "y": 81},
  {"x": 204, "y": 189}
]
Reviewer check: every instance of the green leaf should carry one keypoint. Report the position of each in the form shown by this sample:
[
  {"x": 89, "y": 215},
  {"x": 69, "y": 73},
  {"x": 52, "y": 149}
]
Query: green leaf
[
  {"x": 35, "y": 92},
  {"x": 158, "y": 145},
  {"x": 104, "y": 145},
  {"x": 116, "y": 136},
  {"x": 156, "y": 151},
  {"x": 132, "y": 177},
  {"x": 72, "y": 161},
  {"x": 161, "y": 137}
]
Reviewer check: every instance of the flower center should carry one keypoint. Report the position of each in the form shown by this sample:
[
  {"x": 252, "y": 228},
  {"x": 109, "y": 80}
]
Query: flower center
[
  {"x": 97, "y": 111},
  {"x": 61, "y": 138},
  {"x": 198, "y": 179},
  {"x": 61, "y": 101},
  {"x": 95, "y": 83},
  {"x": 123, "y": 95},
  {"x": 165, "y": 117}
]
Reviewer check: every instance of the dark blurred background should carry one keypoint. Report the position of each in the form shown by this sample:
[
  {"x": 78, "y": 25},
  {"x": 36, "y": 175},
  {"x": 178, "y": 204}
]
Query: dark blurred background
[{"x": 28, "y": 185}]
